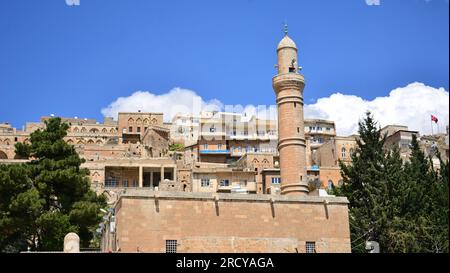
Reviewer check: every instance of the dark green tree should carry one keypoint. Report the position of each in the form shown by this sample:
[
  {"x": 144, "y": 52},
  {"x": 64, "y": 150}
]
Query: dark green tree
[
  {"x": 20, "y": 206},
  {"x": 364, "y": 184},
  {"x": 426, "y": 201},
  {"x": 402, "y": 206},
  {"x": 49, "y": 196}
]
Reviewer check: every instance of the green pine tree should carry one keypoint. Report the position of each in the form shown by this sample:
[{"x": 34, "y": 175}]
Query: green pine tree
[
  {"x": 42, "y": 200},
  {"x": 364, "y": 184},
  {"x": 401, "y": 205}
]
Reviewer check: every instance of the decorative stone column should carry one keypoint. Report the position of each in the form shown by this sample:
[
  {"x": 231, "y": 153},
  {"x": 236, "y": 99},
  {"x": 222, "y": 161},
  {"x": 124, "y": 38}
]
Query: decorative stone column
[
  {"x": 162, "y": 175},
  {"x": 141, "y": 177},
  {"x": 71, "y": 243}
]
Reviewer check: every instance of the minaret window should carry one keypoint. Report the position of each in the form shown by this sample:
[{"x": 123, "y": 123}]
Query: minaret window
[{"x": 292, "y": 67}]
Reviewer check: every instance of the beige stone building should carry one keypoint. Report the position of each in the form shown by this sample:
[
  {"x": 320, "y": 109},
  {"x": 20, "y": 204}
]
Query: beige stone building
[
  {"x": 241, "y": 186},
  {"x": 149, "y": 221},
  {"x": 207, "y": 220},
  {"x": 328, "y": 156}
]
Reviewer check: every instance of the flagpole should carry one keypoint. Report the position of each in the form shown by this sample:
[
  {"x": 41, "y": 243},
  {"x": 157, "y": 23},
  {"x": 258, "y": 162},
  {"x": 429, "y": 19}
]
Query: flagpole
[{"x": 431, "y": 122}]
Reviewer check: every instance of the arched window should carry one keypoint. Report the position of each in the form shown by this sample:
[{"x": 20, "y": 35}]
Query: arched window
[
  {"x": 154, "y": 121},
  {"x": 112, "y": 131},
  {"x": 255, "y": 161},
  {"x": 76, "y": 130},
  {"x": 146, "y": 121},
  {"x": 330, "y": 184},
  {"x": 130, "y": 121},
  {"x": 104, "y": 130},
  {"x": 3, "y": 155},
  {"x": 69, "y": 141},
  {"x": 90, "y": 141},
  {"x": 93, "y": 130},
  {"x": 351, "y": 151},
  {"x": 139, "y": 121},
  {"x": 343, "y": 152},
  {"x": 99, "y": 142},
  {"x": 83, "y": 130},
  {"x": 80, "y": 141},
  {"x": 6, "y": 142}
]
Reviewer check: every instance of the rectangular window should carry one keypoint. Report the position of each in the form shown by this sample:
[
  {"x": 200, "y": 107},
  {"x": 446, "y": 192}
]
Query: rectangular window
[
  {"x": 145, "y": 129},
  {"x": 171, "y": 246},
  {"x": 138, "y": 129},
  {"x": 310, "y": 247},
  {"x": 125, "y": 184},
  {"x": 111, "y": 182},
  {"x": 205, "y": 146},
  {"x": 205, "y": 182},
  {"x": 135, "y": 183},
  {"x": 219, "y": 146},
  {"x": 225, "y": 183},
  {"x": 276, "y": 180},
  {"x": 130, "y": 129}
]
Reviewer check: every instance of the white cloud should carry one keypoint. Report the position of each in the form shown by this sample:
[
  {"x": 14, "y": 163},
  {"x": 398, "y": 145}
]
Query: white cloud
[
  {"x": 411, "y": 105},
  {"x": 177, "y": 100}
]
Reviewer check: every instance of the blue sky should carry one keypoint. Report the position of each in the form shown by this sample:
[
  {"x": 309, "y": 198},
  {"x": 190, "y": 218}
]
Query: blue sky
[{"x": 76, "y": 60}]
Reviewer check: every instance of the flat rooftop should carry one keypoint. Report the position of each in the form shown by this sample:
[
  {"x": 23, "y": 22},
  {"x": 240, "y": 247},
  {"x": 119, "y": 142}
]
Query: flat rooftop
[{"x": 151, "y": 194}]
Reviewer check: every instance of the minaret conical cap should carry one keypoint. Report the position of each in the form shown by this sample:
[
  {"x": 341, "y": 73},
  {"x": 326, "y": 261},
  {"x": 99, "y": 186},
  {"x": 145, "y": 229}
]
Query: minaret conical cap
[{"x": 286, "y": 42}]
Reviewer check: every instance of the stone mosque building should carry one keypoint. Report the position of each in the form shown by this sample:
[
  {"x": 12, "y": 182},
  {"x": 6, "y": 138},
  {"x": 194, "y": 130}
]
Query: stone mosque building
[
  {"x": 293, "y": 221},
  {"x": 218, "y": 181},
  {"x": 235, "y": 184}
]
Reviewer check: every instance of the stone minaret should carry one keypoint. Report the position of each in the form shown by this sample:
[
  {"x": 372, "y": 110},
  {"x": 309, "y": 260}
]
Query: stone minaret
[{"x": 288, "y": 85}]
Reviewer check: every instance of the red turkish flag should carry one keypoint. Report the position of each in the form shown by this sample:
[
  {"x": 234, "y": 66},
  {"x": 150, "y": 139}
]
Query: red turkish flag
[{"x": 434, "y": 118}]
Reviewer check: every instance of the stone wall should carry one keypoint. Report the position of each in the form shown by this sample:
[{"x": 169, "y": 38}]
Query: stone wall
[{"x": 230, "y": 223}]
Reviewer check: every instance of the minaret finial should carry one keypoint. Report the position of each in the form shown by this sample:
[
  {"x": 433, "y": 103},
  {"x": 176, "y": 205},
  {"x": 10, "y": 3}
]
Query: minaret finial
[{"x": 285, "y": 28}]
